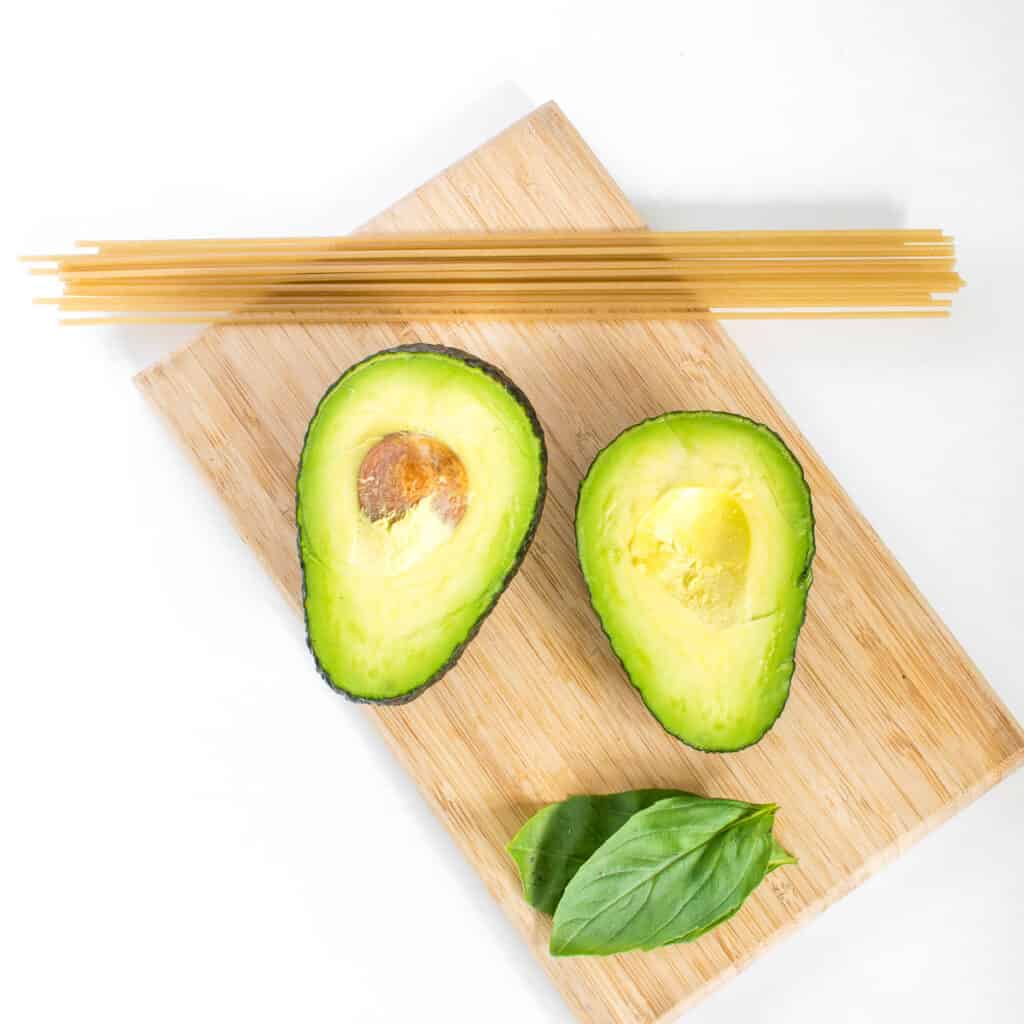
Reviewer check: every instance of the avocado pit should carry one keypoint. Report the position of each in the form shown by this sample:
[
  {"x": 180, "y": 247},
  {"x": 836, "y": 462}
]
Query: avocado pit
[{"x": 403, "y": 469}]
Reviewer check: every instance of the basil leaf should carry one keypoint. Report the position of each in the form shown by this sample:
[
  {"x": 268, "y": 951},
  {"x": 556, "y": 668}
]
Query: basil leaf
[
  {"x": 779, "y": 857},
  {"x": 746, "y": 881},
  {"x": 554, "y": 844},
  {"x": 672, "y": 872}
]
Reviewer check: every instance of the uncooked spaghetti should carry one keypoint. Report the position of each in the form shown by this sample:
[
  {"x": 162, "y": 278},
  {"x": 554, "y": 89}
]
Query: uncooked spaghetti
[{"x": 521, "y": 276}]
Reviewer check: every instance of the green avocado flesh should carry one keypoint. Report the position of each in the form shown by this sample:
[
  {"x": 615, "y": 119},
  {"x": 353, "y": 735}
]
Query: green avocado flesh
[
  {"x": 695, "y": 536},
  {"x": 393, "y": 592}
]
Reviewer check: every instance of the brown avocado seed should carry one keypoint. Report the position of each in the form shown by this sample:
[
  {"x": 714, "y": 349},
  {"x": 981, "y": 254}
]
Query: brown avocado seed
[{"x": 403, "y": 469}]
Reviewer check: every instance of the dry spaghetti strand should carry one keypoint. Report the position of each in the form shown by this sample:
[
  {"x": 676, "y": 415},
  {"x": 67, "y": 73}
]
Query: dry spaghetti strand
[{"x": 516, "y": 275}]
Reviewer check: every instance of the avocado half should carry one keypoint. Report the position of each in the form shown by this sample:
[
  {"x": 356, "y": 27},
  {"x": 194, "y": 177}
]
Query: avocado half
[
  {"x": 695, "y": 534},
  {"x": 419, "y": 489}
]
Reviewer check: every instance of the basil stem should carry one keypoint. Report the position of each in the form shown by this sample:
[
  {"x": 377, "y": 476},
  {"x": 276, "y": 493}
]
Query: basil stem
[{"x": 779, "y": 857}]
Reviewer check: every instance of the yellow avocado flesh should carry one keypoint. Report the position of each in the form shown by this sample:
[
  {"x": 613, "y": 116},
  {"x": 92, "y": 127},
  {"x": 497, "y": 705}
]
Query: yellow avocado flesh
[
  {"x": 695, "y": 535},
  {"x": 388, "y": 602},
  {"x": 696, "y": 542}
]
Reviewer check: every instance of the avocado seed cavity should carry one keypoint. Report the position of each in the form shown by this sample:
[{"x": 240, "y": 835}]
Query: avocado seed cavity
[{"x": 695, "y": 542}]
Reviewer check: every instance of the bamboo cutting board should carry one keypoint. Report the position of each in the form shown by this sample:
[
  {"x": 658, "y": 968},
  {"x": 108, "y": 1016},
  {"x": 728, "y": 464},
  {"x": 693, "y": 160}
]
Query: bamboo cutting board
[{"x": 889, "y": 728}]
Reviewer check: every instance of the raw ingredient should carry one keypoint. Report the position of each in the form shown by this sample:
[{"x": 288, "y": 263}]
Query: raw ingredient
[
  {"x": 419, "y": 489},
  {"x": 643, "y": 869},
  {"x": 672, "y": 873},
  {"x": 695, "y": 535},
  {"x": 554, "y": 844}
]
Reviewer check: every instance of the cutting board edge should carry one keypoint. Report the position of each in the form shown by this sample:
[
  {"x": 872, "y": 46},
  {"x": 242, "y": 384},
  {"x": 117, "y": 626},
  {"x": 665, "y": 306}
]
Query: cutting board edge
[{"x": 143, "y": 382}]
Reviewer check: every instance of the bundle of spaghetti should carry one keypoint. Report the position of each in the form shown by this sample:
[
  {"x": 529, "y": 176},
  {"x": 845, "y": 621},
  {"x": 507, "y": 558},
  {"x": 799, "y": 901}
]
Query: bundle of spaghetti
[{"x": 517, "y": 276}]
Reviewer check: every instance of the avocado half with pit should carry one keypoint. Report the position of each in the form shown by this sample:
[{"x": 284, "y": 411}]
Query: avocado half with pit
[
  {"x": 695, "y": 535},
  {"x": 420, "y": 485}
]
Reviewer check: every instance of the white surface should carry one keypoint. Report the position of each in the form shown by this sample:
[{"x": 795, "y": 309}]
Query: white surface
[{"x": 191, "y": 826}]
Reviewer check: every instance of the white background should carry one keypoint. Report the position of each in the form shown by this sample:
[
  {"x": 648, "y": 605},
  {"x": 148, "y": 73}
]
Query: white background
[{"x": 191, "y": 826}]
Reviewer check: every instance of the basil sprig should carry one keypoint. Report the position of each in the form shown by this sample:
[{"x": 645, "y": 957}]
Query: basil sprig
[{"x": 643, "y": 869}]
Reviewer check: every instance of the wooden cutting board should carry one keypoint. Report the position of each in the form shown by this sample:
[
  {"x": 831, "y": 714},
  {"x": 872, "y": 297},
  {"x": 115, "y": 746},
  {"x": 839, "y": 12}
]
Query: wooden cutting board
[{"x": 889, "y": 729}]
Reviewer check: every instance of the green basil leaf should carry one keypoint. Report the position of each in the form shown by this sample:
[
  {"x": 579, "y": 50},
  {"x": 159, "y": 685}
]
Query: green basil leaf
[
  {"x": 672, "y": 872},
  {"x": 779, "y": 857},
  {"x": 554, "y": 844},
  {"x": 746, "y": 879}
]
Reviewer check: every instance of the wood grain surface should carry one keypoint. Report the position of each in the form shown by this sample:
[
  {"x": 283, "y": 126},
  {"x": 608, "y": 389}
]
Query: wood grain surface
[{"x": 889, "y": 728}]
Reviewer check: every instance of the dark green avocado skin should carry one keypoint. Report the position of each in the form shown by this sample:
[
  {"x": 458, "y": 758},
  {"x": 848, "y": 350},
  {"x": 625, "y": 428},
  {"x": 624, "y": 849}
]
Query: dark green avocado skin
[
  {"x": 806, "y": 572},
  {"x": 513, "y": 389}
]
